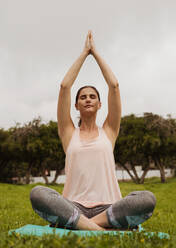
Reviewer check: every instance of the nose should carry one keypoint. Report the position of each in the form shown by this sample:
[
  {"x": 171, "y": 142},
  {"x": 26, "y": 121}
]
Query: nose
[{"x": 88, "y": 99}]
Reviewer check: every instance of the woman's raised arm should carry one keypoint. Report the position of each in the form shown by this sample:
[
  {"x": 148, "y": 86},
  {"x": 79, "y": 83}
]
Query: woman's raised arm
[
  {"x": 112, "y": 122},
  {"x": 65, "y": 124}
]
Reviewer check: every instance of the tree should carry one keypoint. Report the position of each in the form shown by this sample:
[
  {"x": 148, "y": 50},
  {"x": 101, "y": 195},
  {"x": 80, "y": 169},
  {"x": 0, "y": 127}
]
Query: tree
[
  {"x": 143, "y": 140},
  {"x": 37, "y": 148},
  {"x": 160, "y": 140},
  {"x": 48, "y": 150},
  {"x": 129, "y": 148},
  {"x": 4, "y": 154}
]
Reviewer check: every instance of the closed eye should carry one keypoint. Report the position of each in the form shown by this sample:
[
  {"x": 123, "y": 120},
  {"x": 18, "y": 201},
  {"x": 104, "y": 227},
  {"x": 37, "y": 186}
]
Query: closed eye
[
  {"x": 83, "y": 97},
  {"x": 92, "y": 96}
]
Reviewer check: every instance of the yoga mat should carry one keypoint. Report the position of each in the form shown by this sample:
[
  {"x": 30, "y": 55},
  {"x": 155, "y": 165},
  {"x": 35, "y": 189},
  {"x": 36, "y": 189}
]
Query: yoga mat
[{"x": 41, "y": 230}]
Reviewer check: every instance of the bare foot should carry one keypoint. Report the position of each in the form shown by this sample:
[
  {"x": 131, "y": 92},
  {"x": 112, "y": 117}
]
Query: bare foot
[{"x": 86, "y": 224}]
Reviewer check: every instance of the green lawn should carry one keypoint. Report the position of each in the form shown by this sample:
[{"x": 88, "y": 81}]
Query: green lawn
[{"x": 16, "y": 211}]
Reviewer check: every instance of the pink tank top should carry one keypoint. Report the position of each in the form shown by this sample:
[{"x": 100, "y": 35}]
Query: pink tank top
[{"x": 90, "y": 171}]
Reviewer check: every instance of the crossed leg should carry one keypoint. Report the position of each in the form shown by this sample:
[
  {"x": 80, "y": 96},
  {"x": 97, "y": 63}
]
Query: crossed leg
[
  {"x": 101, "y": 220},
  {"x": 129, "y": 212},
  {"x": 59, "y": 211}
]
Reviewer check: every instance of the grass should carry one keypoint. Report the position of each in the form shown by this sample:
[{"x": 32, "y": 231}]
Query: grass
[{"x": 16, "y": 211}]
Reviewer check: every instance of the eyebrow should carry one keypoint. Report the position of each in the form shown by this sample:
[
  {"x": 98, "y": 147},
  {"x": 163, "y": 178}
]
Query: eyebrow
[{"x": 88, "y": 94}]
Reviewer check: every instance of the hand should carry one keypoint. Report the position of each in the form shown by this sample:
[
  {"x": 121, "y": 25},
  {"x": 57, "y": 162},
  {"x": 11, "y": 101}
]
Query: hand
[
  {"x": 87, "y": 49},
  {"x": 92, "y": 43}
]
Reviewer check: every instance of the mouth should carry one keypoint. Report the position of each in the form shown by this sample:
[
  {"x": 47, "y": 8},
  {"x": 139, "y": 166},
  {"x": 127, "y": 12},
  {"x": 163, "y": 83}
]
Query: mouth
[{"x": 88, "y": 106}]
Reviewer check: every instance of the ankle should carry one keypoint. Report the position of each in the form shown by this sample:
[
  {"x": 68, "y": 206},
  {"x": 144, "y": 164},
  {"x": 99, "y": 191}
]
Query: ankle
[{"x": 86, "y": 224}]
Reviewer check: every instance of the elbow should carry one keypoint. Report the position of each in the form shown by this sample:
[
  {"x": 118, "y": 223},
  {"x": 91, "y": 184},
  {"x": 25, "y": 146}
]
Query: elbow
[
  {"x": 64, "y": 86},
  {"x": 114, "y": 85}
]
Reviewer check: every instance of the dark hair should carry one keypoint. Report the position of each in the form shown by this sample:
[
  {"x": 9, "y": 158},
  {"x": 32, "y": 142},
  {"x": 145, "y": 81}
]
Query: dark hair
[{"x": 78, "y": 93}]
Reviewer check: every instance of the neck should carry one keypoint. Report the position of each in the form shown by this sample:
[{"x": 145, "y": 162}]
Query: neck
[{"x": 88, "y": 123}]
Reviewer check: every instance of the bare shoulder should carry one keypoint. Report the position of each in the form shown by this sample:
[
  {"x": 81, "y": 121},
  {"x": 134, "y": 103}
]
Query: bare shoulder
[
  {"x": 112, "y": 135},
  {"x": 66, "y": 135}
]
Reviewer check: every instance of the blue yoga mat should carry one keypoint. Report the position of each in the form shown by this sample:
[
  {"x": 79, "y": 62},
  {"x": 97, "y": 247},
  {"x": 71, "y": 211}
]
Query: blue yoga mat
[{"x": 41, "y": 230}]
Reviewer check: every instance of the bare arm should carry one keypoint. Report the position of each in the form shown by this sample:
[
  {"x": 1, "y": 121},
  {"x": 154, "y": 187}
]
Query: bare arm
[
  {"x": 72, "y": 73},
  {"x": 112, "y": 122},
  {"x": 65, "y": 124}
]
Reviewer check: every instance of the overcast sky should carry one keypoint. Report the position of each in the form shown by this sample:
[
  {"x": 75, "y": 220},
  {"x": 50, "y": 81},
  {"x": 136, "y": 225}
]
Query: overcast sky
[{"x": 40, "y": 39}]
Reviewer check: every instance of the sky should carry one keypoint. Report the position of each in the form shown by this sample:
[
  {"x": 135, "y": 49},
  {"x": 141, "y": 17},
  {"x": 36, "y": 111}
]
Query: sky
[{"x": 41, "y": 39}]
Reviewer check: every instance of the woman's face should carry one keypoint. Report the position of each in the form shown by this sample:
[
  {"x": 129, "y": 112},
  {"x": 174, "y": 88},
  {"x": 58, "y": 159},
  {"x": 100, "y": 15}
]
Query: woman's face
[{"x": 88, "y": 101}]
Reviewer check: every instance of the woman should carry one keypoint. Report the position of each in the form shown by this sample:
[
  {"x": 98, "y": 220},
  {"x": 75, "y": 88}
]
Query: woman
[{"x": 91, "y": 197}]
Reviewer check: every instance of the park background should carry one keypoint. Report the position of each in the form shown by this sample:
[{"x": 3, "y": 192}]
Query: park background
[{"x": 39, "y": 41}]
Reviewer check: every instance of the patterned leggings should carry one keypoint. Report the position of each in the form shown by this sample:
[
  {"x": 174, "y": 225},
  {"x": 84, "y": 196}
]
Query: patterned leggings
[{"x": 129, "y": 212}]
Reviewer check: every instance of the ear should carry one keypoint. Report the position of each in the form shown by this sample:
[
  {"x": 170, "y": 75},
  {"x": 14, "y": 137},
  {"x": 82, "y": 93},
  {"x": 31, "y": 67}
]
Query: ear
[
  {"x": 76, "y": 106},
  {"x": 99, "y": 105}
]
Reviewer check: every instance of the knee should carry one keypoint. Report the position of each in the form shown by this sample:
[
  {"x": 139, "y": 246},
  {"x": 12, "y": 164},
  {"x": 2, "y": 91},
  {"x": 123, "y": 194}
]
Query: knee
[
  {"x": 150, "y": 200},
  {"x": 141, "y": 201},
  {"x": 35, "y": 194}
]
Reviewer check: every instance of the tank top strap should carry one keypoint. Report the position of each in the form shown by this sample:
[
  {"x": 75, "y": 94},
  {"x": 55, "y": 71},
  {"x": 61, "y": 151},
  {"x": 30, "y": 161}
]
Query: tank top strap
[
  {"x": 104, "y": 136},
  {"x": 75, "y": 136}
]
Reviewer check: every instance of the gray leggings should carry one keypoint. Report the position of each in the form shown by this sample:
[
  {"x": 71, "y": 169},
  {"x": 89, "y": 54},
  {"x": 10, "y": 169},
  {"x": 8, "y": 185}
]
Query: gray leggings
[{"x": 129, "y": 212}]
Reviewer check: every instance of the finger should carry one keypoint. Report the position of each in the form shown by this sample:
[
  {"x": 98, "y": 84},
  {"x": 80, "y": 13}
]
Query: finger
[
  {"x": 91, "y": 36},
  {"x": 89, "y": 33},
  {"x": 87, "y": 38}
]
